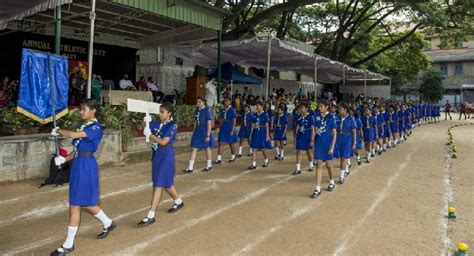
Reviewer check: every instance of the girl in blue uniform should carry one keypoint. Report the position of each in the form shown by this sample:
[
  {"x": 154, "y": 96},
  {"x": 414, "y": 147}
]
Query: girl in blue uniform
[
  {"x": 202, "y": 138},
  {"x": 260, "y": 135},
  {"x": 271, "y": 118},
  {"x": 304, "y": 137},
  {"x": 393, "y": 122},
  {"x": 84, "y": 177},
  {"x": 407, "y": 120},
  {"x": 401, "y": 124},
  {"x": 324, "y": 143},
  {"x": 369, "y": 124},
  {"x": 162, "y": 134},
  {"x": 227, "y": 132},
  {"x": 386, "y": 134},
  {"x": 359, "y": 136},
  {"x": 346, "y": 140},
  {"x": 245, "y": 128},
  {"x": 380, "y": 130},
  {"x": 281, "y": 121}
]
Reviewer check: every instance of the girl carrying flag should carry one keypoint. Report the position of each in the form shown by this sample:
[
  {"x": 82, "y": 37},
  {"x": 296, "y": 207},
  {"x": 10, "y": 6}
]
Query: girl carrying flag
[
  {"x": 245, "y": 128},
  {"x": 260, "y": 135},
  {"x": 227, "y": 132},
  {"x": 324, "y": 143},
  {"x": 202, "y": 138},
  {"x": 162, "y": 134},
  {"x": 280, "y": 124},
  {"x": 304, "y": 137},
  {"x": 84, "y": 177}
]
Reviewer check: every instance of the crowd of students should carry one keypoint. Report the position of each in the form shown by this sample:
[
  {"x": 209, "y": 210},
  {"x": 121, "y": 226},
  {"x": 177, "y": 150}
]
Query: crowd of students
[{"x": 323, "y": 130}]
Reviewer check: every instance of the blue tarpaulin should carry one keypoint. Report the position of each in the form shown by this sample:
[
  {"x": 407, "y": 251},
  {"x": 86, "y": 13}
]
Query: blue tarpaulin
[
  {"x": 231, "y": 73},
  {"x": 35, "y": 99}
]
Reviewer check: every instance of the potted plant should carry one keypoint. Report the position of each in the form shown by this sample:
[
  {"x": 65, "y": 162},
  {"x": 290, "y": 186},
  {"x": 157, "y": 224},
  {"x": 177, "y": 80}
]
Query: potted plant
[
  {"x": 189, "y": 115},
  {"x": 18, "y": 122},
  {"x": 136, "y": 120},
  {"x": 70, "y": 121},
  {"x": 117, "y": 118}
]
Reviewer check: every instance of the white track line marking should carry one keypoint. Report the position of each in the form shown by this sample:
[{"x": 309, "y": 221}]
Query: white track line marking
[
  {"x": 448, "y": 199},
  {"x": 192, "y": 192},
  {"x": 279, "y": 225},
  {"x": 190, "y": 223},
  {"x": 344, "y": 240}
]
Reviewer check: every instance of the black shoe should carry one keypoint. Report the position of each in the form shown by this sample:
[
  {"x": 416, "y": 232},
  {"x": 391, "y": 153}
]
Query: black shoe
[
  {"x": 281, "y": 158},
  {"x": 249, "y": 154},
  {"x": 188, "y": 171},
  {"x": 316, "y": 193},
  {"x": 252, "y": 167},
  {"x": 176, "y": 207},
  {"x": 341, "y": 181},
  {"x": 64, "y": 251},
  {"x": 331, "y": 187},
  {"x": 296, "y": 172},
  {"x": 146, "y": 222},
  {"x": 106, "y": 231},
  {"x": 239, "y": 156},
  {"x": 310, "y": 169},
  {"x": 231, "y": 160},
  {"x": 380, "y": 152},
  {"x": 265, "y": 164},
  {"x": 218, "y": 161},
  {"x": 207, "y": 169},
  {"x": 359, "y": 162}
]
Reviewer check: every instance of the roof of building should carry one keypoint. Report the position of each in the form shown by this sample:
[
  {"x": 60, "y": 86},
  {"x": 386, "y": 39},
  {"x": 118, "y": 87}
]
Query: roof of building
[{"x": 451, "y": 55}]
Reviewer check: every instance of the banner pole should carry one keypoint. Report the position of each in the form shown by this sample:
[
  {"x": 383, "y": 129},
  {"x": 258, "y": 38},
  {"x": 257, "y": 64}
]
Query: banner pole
[
  {"x": 53, "y": 105},
  {"x": 91, "y": 49}
]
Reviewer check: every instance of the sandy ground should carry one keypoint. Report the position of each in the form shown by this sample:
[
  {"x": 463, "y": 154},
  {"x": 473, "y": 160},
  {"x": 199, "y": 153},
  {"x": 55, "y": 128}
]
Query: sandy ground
[{"x": 395, "y": 205}]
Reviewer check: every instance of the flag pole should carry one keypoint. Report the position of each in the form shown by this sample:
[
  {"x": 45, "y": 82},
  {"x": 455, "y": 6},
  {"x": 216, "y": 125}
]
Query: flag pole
[{"x": 53, "y": 105}]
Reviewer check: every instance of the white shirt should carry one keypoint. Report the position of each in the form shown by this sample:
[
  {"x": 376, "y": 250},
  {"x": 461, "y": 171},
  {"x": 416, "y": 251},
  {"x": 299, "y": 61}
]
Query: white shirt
[
  {"x": 211, "y": 94},
  {"x": 124, "y": 84}
]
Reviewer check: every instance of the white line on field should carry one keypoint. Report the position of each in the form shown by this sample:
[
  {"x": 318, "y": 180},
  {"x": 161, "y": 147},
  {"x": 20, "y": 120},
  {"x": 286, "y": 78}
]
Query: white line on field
[
  {"x": 192, "y": 222},
  {"x": 344, "y": 240},
  {"x": 267, "y": 233},
  {"x": 448, "y": 198},
  {"x": 192, "y": 192}
]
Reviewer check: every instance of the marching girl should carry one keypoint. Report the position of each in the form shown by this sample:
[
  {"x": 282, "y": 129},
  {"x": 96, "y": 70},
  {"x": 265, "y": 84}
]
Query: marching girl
[
  {"x": 227, "y": 132},
  {"x": 259, "y": 135},
  {"x": 401, "y": 124},
  {"x": 162, "y": 134},
  {"x": 359, "y": 135},
  {"x": 245, "y": 128},
  {"x": 407, "y": 120},
  {"x": 84, "y": 177},
  {"x": 393, "y": 122},
  {"x": 202, "y": 138},
  {"x": 380, "y": 130},
  {"x": 346, "y": 140},
  {"x": 271, "y": 118},
  {"x": 370, "y": 132},
  {"x": 325, "y": 140},
  {"x": 386, "y": 129},
  {"x": 304, "y": 137},
  {"x": 281, "y": 122}
]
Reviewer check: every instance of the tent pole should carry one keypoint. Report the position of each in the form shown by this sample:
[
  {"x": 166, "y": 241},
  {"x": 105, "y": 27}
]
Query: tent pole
[
  {"x": 365, "y": 84},
  {"x": 219, "y": 75},
  {"x": 390, "y": 85},
  {"x": 91, "y": 49},
  {"x": 231, "y": 88},
  {"x": 57, "y": 30},
  {"x": 269, "y": 52},
  {"x": 344, "y": 75},
  {"x": 316, "y": 76}
]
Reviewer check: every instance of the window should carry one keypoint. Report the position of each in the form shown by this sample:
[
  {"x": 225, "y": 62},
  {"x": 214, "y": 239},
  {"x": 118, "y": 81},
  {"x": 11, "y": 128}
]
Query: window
[
  {"x": 443, "y": 42},
  {"x": 443, "y": 68},
  {"x": 458, "y": 70},
  {"x": 458, "y": 41}
]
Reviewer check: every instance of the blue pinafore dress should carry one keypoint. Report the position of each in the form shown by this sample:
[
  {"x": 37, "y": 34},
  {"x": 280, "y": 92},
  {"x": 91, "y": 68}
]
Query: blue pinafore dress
[
  {"x": 201, "y": 118},
  {"x": 163, "y": 157},
  {"x": 226, "y": 134},
  {"x": 324, "y": 124}
]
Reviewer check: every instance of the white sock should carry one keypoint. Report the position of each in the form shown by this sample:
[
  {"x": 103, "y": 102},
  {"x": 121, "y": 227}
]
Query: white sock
[
  {"x": 298, "y": 167},
  {"x": 178, "y": 201},
  {"x": 282, "y": 152},
  {"x": 332, "y": 182},
  {"x": 373, "y": 151},
  {"x": 343, "y": 172},
  {"x": 254, "y": 163},
  {"x": 349, "y": 161},
  {"x": 358, "y": 158},
  {"x": 191, "y": 165},
  {"x": 251, "y": 151},
  {"x": 71, "y": 235},
  {"x": 277, "y": 149},
  {"x": 240, "y": 150},
  {"x": 232, "y": 157},
  {"x": 318, "y": 188},
  {"x": 265, "y": 161},
  {"x": 219, "y": 158},
  {"x": 151, "y": 214},
  {"x": 209, "y": 163},
  {"x": 311, "y": 165},
  {"x": 106, "y": 221}
]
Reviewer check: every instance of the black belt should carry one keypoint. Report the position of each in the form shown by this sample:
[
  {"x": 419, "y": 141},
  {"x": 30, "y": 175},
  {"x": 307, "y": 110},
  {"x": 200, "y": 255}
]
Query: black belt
[{"x": 85, "y": 153}]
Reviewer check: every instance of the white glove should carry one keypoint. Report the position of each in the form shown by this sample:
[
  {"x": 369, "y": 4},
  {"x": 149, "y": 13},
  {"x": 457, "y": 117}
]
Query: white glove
[
  {"x": 147, "y": 132},
  {"x": 59, "y": 160},
  {"x": 147, "y": 119},
  {"x": 54, "y": 132}
]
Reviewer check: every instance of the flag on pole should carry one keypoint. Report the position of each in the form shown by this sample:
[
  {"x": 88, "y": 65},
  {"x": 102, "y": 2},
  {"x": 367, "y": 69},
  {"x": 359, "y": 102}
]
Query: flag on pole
[{"x": 34, "y": 99}]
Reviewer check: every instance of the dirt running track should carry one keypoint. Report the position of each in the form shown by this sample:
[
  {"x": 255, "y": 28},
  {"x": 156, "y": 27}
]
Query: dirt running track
[{"x": 393, "y": 206}]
